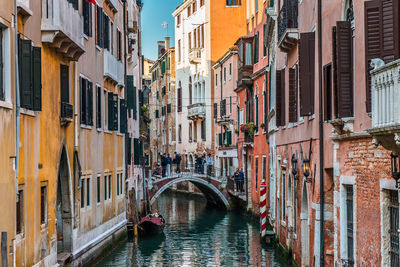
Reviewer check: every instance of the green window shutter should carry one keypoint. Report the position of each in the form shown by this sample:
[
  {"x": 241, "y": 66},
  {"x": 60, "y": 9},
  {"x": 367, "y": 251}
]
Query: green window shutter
[
  {"x": 110, "y": 111},
  {"x": 257, "y": 111},
  {"x": 129, "y": 151},
  {"x": 169, "y": 108},
  {"x": 129, "y": 92},
  {"x": 122, "y": 117},
  {"x": 90, "y": 104},
  {"x": 220, "y": 139},
  {"x": 106, "y": 29},
  {"x": 229, "y": 138},
  {"x": 115, "y": 112},
  {"x": 157, "y": 113},
  {"x": 37, "y": 79},
  {"x": 83, "y": 100},
  {"x": 162, "y": 68},
  {"x": 98, "y": 107},
  {"x": 256, "y": 48},
  {"x": 134, "y": 103},
  {"x": 25, "y": 75}
]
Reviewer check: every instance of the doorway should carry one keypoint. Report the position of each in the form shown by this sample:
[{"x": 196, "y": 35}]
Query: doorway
[{"x": 305, "y": 230}]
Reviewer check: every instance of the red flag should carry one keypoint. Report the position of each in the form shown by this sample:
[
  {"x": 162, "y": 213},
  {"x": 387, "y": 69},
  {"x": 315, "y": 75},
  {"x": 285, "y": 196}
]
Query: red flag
[{"x": 91, "y": 1}]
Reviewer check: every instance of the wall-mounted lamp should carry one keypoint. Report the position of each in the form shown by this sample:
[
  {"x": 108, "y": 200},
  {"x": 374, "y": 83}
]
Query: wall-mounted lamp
[
  {"x": 306, "y": 163},
  {"x": 395, "y": 163}
]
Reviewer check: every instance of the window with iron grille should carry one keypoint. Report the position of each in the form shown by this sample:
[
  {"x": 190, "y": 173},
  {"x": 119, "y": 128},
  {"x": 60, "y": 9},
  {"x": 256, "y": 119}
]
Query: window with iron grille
[
  {"x": 350, "y": 225},
  {"x": 394, "y": 226}
]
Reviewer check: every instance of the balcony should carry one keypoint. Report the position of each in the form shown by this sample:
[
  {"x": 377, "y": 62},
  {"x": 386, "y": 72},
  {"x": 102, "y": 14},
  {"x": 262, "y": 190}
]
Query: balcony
[
  {"x": 67, "y": 113},
  {"x": 113, "y": 68},
  {"x": 244, "y": 76},
  {"x": 248, "y": 139},
  {"x": 197, "y": 111},
  {"x": 385, "y": 93},
  {"x": 195, "y": 55},
  {"x": 288, "y": 33},
  {"x": 62, "y": 28},
  {"x": 24, "y": 9}
]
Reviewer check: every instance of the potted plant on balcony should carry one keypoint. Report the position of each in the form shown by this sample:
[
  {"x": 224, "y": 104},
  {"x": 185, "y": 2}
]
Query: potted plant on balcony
[
  {"x": 248, "y": 128},
  {"x": 146, "y": 114}
]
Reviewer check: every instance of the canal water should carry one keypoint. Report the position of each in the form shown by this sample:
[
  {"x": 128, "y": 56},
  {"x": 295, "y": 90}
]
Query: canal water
[{"x": 196, "y": 235}]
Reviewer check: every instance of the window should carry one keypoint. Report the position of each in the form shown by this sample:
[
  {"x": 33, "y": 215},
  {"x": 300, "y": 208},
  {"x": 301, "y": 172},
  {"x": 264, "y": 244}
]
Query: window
[
  {"x": 256, "y": 173},
  {"x": 105, "y": 187},
  {"x": 216, "y": 79},
  {"x": 256, "y": 5},
  {"x": 202, "y": 35},
  {"x": 119, "y": 45},
  {"x": 179, "y": 51},
  {"x": 233, "y": 2},
  {"x": 169, "y": 135},
  {"x": 109, "y": 186},
  {"x": 98, "y": 189},
  {"x": 179, "y": 133},
  {"x": 2, "y": 56},
  {"x": 86, "y": 93},
  {"x": 257, "y": 112},
  {"x": 20, "y": 212},
  {"x": 111, "y": 38},
  {"x": 178, "y": 19},
  {"x": 201, "y": 3},
  {"x": 190, "y": 91},
  {"x": 293, "y": 95},
  {"x": 106, "y": 32},
  {"x": 112, "y": 108},
  {"x": 248, "y": 60},
  {"x": 99, "y": 26},
  {"x": 190, "y": 40},
  {"x": 43, "y": 204},
  {"x": 230, "y": 71},
  {"x": 203, "y": 130},
  {"x": 88, "y": 192},
  {"x": 283, "y": 195},
  {"x": 195, "y": 38},
  {"x": 230, "y": 104},
  {"x": 180, "y": 97},
  {"x": 394, "y": 226},
  {"x": 194, "y": 6},
  {"x": 265, "y": 40},
  {"x": 123, "y": 116},
  {"x": 98, "y": 106},
  {"x": 82, "y": 193},
  {"x": 195, "y": 132},
  {"x": 30, "y": 75},
  {"x": 264, "y": 169},
  {"x": 224, "y": 74},
  {"x": 190, "y": 132},
  {"x": 350, "y": 230},
  {"x": 280, "y": 98},
  {"x": 189, "y": 11},
  {"x": 256, "y": 46},
  {"x": 117, "y": 184},
  {"x": 66, "y": 110}
]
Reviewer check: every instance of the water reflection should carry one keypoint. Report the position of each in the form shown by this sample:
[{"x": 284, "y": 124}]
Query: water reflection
[{"x": 196, "y": 236}]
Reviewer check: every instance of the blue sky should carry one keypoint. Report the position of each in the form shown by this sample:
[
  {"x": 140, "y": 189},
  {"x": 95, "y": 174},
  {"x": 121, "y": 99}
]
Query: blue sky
[{"x": 154, "y": 13}]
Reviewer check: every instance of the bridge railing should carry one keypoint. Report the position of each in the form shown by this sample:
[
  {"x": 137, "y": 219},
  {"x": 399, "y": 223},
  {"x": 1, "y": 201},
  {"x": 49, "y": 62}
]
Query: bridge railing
[{"x": 191, "y": 170}]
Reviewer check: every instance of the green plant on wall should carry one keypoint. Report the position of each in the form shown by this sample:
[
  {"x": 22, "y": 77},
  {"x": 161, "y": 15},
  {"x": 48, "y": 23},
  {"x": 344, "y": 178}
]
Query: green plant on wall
[{"x": 248, "y": 128}]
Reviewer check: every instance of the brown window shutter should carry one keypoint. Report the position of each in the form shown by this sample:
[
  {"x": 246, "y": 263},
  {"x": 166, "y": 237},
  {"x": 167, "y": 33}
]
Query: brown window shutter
[
  {"x": 327, "y": 72},
  {"x": 334, "y": 70},
  {"x": 307, "y": 73},
  {"x": 292, "y": 95},
  {"x": 344, "y": 52},
  {"x": 280, "y": 98}
]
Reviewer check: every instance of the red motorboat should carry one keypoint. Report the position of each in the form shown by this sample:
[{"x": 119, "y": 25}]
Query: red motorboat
[{"x": 151, "y": 224}]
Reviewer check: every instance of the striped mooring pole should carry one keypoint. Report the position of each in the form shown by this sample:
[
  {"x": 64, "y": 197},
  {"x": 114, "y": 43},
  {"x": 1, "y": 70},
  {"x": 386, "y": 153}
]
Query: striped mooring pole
[{"x": 263, "y": 209}]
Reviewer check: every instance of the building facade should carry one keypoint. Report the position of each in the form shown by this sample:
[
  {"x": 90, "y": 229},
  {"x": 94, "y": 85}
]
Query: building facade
[
  {"x": 163, "y": 103},
  {"x": 66, "y": 178}
]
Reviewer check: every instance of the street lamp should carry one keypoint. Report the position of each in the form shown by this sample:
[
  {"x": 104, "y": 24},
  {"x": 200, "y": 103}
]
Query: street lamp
[
  {"x": 294, "y": 167},
  {"x": 306, "y": 169},
  {"x": 395, "y": 160}
]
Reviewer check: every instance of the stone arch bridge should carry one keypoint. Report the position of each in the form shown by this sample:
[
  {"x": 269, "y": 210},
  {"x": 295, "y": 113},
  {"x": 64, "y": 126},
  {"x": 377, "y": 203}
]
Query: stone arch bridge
[{"x": 214, "y": 189}]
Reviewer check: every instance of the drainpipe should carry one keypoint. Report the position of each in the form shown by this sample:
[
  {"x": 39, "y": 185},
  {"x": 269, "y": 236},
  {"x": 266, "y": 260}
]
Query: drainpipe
[
  {"x": 125, "y": 91},
  {"x": 321, "y": 135},
  {"x": 17, "y": 101}
]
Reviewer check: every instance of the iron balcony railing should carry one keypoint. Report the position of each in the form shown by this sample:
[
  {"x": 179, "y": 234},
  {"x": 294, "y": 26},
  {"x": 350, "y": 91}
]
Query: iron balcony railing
[{"x": 287, "y": 18}]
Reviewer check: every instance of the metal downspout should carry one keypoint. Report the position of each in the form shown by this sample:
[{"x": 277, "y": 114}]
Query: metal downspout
[{"x": 321, "y": 134}]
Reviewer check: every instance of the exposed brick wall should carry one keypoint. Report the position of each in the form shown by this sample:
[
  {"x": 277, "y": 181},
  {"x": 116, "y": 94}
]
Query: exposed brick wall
[{"x": 359, "y": 158}]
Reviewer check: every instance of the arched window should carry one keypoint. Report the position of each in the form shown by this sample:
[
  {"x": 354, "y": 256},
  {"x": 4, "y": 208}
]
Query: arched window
[{"x": 190, "y": 90}]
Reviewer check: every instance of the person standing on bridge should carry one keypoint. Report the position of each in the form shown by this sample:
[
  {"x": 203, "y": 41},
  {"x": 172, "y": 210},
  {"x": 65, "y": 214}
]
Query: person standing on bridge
[
  {"x": 177, "y": 161},
  {"x": 209, "y": 164},
  {"x": 169, "y": 162},
  {"x": 241, "y": 180},
  {"x": 163, "y": 164}
]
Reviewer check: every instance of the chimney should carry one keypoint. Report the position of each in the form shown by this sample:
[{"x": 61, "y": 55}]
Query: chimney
[{"x": 167, "y": 40}]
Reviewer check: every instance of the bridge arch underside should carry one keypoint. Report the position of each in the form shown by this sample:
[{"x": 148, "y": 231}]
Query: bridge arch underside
[{"x": 213, "y": 195}]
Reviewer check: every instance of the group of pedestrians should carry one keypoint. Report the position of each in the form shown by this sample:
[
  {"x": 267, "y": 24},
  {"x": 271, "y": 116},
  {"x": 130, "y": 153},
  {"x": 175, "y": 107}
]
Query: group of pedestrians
[
  {"x": 167, "y": 161},
  {"x": 204, "y": 164},
  {"x": 239, "y": 180}
]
